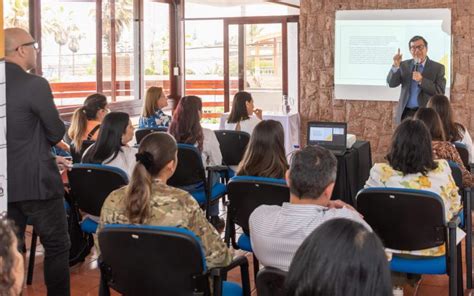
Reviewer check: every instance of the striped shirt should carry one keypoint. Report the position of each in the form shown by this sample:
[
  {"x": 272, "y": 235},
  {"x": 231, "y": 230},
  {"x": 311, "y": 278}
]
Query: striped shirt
[{"x": 277, "y": 232}]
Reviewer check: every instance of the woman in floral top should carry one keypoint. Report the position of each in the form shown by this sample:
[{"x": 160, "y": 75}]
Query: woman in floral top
[
  {"x": 411, "y": 165},
  {"x": 152, "y": 115},
  {"x": 443, "y": 149}
]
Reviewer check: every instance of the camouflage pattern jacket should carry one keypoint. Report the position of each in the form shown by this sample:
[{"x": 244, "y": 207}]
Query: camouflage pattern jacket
[{"x": 171, "y": 207}]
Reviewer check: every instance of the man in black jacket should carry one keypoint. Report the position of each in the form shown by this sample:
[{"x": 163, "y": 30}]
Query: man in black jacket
[{"x": 35, "y": 189}]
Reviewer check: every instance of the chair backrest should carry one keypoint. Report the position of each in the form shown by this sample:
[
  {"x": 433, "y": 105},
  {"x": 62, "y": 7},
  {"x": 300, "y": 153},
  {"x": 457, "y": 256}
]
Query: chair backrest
[
  {"x": 456, "y": 173},
  {"x": 92, "y": 183},
  {"x": 142, "y": 132},
  {"x": 233, "y": 145},
  {"x": 405, "y": 219},
  {"x": 271, "y": 282},
  {"x": 151, "y": 260},
  {"x": 246, "y": 193},
  {"x": 190, "y": 169},
  {"x": 77, "y": 155},
  {"x": 464, "y": 153}
]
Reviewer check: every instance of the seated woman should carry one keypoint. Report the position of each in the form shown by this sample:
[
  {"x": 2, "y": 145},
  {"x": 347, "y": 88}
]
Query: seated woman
[
  {"x": 86, "y": 120},
  {"x": 265, "y": 154},
  {"x": 411, "y": 165},
  {"x": 186, "y": 128},
  {"x": 152, "y": 116},
  {"x": 111, "y": 148},
  {"x": 442, "y": 149},
  {"x": 11, "y": 261},
  {"x": 240, "y": 117},
  {"x": 454, "y": 131},
  {"x": 148, "y": 200},
  {"x": 340, "y": 257}
]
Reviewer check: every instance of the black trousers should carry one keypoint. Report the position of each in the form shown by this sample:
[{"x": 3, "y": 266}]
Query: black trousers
[
  {"x": 48, "y": 218},
  {"x": 409, "y": 112}
]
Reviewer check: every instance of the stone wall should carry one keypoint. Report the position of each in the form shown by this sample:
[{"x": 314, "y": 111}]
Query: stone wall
[{"x": 373, "y": 120}]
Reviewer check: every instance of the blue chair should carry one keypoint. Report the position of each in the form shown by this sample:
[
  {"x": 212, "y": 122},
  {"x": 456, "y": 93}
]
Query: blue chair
[
  {"x": 407, "y": 219},
  {"x": 77, "y": 155},
  {"x": 151, "y": 260},
  {"x": 90, "y": 185},
  {"x": 143, "y": 132},
  {"x": 190, "y": 172},
  {"x": 245, "y": 194}
]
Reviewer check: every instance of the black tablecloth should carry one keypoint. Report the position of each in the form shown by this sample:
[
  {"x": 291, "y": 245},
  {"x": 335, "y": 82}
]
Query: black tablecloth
[{"x": 353, "y": 170}]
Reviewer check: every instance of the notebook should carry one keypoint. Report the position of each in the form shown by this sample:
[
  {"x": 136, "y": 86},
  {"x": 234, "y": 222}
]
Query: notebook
[{"x": 330, "y": 135}]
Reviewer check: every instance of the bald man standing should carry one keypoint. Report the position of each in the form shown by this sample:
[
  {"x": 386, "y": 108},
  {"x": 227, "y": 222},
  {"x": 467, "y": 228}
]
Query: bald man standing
[{"x": 35, "y": 189}]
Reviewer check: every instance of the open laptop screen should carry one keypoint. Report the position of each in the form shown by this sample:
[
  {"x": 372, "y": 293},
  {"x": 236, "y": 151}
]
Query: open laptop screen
[{"x": 331, "y": 135}]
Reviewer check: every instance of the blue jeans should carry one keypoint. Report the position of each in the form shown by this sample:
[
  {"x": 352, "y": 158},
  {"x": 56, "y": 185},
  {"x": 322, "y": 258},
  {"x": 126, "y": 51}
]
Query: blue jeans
[{"x": 48, "y": 218}]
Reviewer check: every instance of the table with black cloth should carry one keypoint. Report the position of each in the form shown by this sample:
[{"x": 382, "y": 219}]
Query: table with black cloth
[{"x": 353, "y": 169}]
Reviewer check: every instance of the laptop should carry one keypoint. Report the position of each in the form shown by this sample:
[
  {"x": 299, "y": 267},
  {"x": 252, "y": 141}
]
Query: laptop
[{"x": 330, "y": 135}]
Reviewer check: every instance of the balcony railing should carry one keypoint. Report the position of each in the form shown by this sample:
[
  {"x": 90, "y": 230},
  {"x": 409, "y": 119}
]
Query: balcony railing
[{"x": 67, "y": 94}]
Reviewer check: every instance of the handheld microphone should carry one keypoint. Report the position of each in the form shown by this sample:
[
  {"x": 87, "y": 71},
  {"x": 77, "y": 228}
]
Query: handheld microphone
[{"x": 417, "y": 64}]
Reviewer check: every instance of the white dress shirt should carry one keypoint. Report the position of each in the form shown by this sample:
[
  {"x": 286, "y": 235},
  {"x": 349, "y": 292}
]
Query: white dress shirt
[{"x": 277, "y": 232}]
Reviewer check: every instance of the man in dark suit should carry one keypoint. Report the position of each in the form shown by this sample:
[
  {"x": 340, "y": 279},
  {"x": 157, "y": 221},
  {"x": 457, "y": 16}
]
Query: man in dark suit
[
  {"x": 420, "y": 78},
  {"x": 35, "y": 189}
]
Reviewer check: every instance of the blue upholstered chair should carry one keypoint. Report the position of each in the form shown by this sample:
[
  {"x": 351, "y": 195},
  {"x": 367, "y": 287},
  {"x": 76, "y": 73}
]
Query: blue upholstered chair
[
  {"x": 407, "y": 219},
  {"x": 170, "y": 261},
  {"x": 90, "y": 185},
  {"x": 245, "y": 194},
  {"x": 190, "y": 172}
]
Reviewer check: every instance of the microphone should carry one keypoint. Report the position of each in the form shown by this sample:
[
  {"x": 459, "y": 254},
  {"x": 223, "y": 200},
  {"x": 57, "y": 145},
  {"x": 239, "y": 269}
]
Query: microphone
[{"x": 417, "y": 64}]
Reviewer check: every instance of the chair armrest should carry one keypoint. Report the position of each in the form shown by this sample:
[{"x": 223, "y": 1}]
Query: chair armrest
[
  {"x": 454, "y": 222},
  {"x": 220, "y": 273}
]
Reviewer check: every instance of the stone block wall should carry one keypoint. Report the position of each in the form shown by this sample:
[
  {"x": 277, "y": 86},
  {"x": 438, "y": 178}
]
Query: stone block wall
[{"x": 372, "y": 120}]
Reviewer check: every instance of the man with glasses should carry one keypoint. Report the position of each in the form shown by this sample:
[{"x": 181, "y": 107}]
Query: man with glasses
[
  {"x": 420, "y": 78},
  {"x": 35, "y": 188}
]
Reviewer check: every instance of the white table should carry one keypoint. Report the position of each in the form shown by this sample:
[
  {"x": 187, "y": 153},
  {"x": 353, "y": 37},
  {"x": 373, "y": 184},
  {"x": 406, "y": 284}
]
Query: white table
[{"x": 291, "y": 126}]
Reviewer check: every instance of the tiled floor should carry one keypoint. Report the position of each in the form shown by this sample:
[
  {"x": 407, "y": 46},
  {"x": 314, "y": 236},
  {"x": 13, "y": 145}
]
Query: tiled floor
[{"x": 85, "y": 278}]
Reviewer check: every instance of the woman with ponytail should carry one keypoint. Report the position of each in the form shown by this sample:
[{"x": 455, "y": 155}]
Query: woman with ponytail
[
  {"x": 86, "y": 120},
  {"x": 148, "y": 200}
]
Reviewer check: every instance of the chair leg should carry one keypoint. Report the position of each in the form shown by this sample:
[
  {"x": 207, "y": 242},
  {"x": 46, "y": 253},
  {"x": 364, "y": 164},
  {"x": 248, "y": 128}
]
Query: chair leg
[
  {"x": 31, "y": 261},
  {"x": 256, "y": 267},
  {"x": 453, "y": 260},
  {"x": 459, "y": 271}
]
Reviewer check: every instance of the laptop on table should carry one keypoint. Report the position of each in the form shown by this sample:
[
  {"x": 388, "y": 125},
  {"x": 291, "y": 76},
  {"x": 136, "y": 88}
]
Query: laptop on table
[{"x": 330, "y": 135}]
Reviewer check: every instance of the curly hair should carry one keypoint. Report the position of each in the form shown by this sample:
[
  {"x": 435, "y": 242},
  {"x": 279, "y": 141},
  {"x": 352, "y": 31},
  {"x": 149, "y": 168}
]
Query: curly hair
[{"x": 7, "y": 238}]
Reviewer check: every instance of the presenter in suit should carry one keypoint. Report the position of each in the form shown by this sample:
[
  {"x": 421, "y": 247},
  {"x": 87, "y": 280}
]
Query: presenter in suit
[
  {"x": 35, "y": 188},
  {"x": 420, "y": 78}
]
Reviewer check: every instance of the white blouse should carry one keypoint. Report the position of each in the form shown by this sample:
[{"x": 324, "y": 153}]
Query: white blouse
[
  {"x": 245, "y": 125},
  {"x": 466, "y": 140}
]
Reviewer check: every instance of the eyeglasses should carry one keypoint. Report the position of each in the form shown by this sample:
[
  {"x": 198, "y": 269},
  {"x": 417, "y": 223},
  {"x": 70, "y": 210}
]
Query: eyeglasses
[
  {"x": 419, "y": 47},
  {"x": 33, "y": 43}
]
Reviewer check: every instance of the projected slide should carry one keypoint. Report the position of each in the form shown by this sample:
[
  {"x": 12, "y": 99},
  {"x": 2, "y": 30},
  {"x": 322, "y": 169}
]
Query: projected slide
[
  {"x": 321, "y": 134},
  {"x": 366, "y": 42}
]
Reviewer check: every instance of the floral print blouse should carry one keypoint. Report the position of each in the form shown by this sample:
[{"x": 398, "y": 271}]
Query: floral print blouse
[
  {"x": 156, "y": 120},
  {"x": 446, "y": 150},
  {"x": 439, "y": 181}
]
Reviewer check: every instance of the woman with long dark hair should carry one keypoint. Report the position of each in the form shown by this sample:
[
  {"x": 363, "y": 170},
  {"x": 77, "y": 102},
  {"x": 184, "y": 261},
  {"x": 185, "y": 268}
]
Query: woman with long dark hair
[
  {"x": 11, "y": 261},
  {"x": 148, "y": 200},
  {"x": 241, "y": 116},
  {"x": 111, "y": 147},
  {"x": 442, "y": 149},
  {"x": 455, "y": 132},
  {"x": 152, "y": 115},
  {"x": 265, "y": 154},
  {"x": 186, "y": 128},
  {"x": 340, "y": 257},
  {"x": 411, "y": 165},
  {"x": 86, "y": 120}
]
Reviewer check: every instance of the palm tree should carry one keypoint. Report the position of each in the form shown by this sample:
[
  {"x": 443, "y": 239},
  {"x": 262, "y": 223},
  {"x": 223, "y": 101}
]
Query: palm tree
[
  {"x": 17, "y": 14},
  {"x": 74, "y": 37},
  {"x": 123, "y": 19}
]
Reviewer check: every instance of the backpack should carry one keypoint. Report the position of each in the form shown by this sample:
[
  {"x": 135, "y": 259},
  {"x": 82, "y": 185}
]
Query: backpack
[{"x": 81, "y": 242}]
